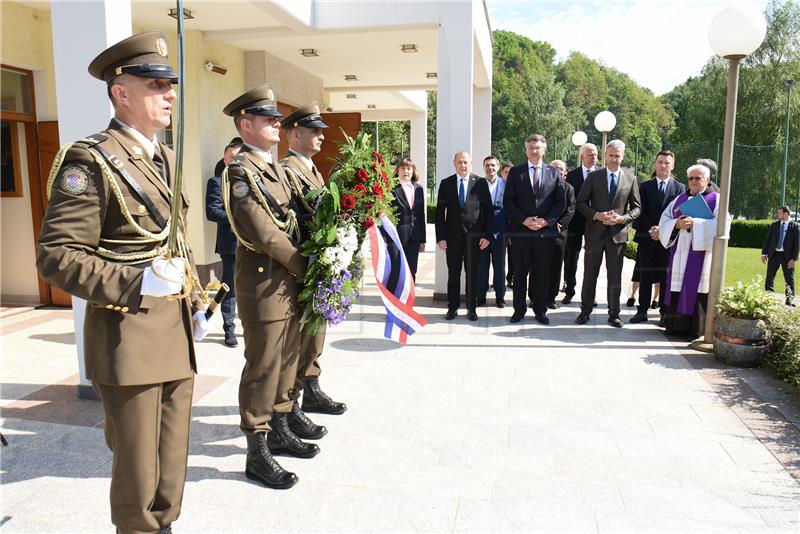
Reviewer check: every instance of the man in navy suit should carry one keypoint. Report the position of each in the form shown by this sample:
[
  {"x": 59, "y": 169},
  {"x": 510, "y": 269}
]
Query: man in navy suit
[
  {"x": 463, "y": 228},
  {"x": 226, "y": 242},
  {"x": 781, "y": 249},
  {"x": 572, "y": 248},
  {"x": 656, "y": 194},
  {"x": 534, "y": 200},
  {"x": 496, "y": 253}
]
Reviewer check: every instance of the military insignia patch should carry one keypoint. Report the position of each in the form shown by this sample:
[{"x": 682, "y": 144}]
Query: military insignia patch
[
  {"x": 161, "y": 46},
  {"x": 240, "y": 189},
  {"x": 74, "y": 181}
]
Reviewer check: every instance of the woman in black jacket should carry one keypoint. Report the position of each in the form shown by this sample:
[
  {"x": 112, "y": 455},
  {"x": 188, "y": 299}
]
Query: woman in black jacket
[{"x": 409, "y": 203}]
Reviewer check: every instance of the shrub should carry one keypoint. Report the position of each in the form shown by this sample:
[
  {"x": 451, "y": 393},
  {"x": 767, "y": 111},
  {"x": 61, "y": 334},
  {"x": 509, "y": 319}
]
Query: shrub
[
  {"x": 748, "y": 234},
  {"x": 747, "y": 301},
  {"x": 430, "y": 213},
  {"x": 631, "y": 248},
  {"x": 783, "y": 349}
]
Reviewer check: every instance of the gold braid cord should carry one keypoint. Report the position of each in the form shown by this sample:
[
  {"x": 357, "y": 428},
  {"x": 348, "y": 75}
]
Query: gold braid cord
[{"x": 298, "y": 188}]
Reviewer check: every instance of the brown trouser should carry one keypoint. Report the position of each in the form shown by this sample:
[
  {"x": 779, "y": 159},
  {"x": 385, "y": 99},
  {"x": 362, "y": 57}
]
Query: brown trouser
[
  {"x": 271, "y": 350},
  {"x": 147, "y": 429},
  {"x": 310, "y": 351}
]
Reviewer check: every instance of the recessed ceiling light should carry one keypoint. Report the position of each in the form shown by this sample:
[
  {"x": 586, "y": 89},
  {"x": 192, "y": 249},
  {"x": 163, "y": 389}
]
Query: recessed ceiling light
[
  {"x": 409, "y": 48},
  {"x": 370, "y": 106},
  {"x": 186, "y": 13},
  {"x": 431, "y": 75},
  {"x": 351, "y": 95},
  {"x": 309, "y": 52},
  {"x": 351, "y": 78}
]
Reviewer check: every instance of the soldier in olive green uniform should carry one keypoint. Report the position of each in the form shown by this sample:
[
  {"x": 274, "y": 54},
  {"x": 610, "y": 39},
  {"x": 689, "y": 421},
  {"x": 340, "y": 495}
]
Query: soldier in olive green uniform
[
  {"x": 257, "y": 197},
  {"x": 102, "y": 240},
  {"x": 304, "y": 134}
]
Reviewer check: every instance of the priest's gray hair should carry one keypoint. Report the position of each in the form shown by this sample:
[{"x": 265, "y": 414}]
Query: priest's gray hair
[{"x": 705, "y": 171}]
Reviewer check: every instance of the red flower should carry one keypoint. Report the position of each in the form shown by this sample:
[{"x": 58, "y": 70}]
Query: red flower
[
  {"x": 368, "y": 222},
  {"x": 362, "y": 175},
  {"x": 345, "y": 216},
  {"x": 371, "y": 205},
  {"x": 377, "y": 190},
  {"x": 359, "y": 189},
  {"x": 384, "y": 176},
  {"x": 377, "y": 155},
  {"x": 348, "y": 202}
]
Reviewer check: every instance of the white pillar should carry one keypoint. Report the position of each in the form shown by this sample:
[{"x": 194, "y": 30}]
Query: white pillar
[
  {"x": 419, "y": 146},
  {"x": 481, "y": 126},
  {"x": 455, "y": 73},
  {"x": 81, "y": 30}
]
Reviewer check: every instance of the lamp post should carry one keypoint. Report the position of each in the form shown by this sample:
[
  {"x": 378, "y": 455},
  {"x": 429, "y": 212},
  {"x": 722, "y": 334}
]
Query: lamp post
[
  {"x": 734, "y": 34},
  {"x": 605, "y": 122},
  {"x": 789, "y": 84},
  {"x": 579, "y": 138}
]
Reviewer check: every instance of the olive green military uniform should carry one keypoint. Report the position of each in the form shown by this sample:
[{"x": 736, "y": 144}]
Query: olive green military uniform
[
  {"x": 97, "y": 237},
  {"x": 268, "y": 265}
]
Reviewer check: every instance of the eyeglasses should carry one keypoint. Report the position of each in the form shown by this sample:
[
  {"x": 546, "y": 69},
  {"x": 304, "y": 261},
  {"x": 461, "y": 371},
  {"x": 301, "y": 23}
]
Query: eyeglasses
[{"x": 697, "y": 178}]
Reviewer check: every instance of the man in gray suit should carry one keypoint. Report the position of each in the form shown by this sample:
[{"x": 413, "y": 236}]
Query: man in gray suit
[{"x": 609, "y": 199}]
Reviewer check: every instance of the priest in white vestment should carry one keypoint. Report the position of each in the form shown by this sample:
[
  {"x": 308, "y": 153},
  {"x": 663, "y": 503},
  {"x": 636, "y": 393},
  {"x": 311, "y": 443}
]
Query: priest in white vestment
[{"x": 689, "y": 241}]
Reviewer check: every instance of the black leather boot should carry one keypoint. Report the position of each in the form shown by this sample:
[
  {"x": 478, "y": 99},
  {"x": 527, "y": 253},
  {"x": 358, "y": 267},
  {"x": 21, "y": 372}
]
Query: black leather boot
[
  {"x": 282, "y": 441},
  {"x": 316, "y": 401},
  {"x": 303, "y": 426},
  {"x": 262, "y": 466}
]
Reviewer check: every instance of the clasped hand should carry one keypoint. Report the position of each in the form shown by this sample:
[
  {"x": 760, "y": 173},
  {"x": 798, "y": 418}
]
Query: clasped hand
[
  {"x": 534, "y": 223},
  {"x": 609, "y": 218},
  {"x": 684, "y": 223}
]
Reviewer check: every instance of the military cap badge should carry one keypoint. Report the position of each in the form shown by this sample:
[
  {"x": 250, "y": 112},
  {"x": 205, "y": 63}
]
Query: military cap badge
[{"x": 161, "y": 46}]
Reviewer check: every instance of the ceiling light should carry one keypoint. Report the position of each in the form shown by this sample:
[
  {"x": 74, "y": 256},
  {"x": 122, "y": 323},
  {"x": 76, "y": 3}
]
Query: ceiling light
[
  {"x": 370, "y": 106},
  {"x": 187, "y": 15},
  {"x": 351, "y": 95},
  {"x": 409, "y": 48},
  {"x": 350, "y": 78},
  {"x": 309, "y": 52},
  {"x": 431, "y": 75}
]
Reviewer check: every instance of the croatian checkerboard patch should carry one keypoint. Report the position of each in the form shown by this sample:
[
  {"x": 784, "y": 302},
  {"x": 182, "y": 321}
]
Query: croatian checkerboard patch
[
  {"x": 74, "y": 180},
  {"x": 240, "y": 189}
]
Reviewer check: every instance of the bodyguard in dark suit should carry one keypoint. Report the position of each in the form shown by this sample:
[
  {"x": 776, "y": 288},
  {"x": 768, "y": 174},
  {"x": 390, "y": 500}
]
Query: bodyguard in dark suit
[
  {"x": 609, "y": 199},
  {"x": 463, "y": 225},
  {"x": 534, "y": 200},
  {"x": 781, "y": 249},
  {"x": 409, "y": 203},
  {"x": 496, "y": 253},
  {"x": 572, "y": 248},
  {"x": 226, "y": 242},
  {"x": 656, "y": 194},
  {"x": 561, "y": 236}
]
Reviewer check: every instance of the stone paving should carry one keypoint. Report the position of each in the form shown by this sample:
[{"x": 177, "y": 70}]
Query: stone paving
[{"x": 471, "y": 427}]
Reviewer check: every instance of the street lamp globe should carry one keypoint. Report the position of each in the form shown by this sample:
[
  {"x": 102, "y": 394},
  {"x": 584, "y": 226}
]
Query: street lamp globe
[
  {"x": 737, "y": 32},
  {"x": 579, "y": 138},
  {"x": 605, "y": 121}
]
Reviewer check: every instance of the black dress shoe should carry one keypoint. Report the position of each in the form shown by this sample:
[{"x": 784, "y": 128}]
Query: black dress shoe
[
  {"x": 542, "y": 318},
  {"x": 230, "y": 339},
  {"x": 500, "y": 303},
  {"x": 567, "y": 299},
  {"x": 654, "y": 305},
  {"x": 631, "y": 302},
  {"x": 303, "y": 426},
  {"x": 530, "y": 305},
  {"x": 638, "y": 318},
  {"x": 481, "y": 301},
  {"x": 594, "y": 304},
  {"x": 582, "y": 318},
  {"x": 472, "y": 315},
  {"x": 283, "y": 442},
  {"x": 616, "y": 322},
  {"x": 317, "y": 401},
  {"x": 450, "y": 315},
  {"x": 517, "y": 317},
  {"x": 165, "y": 529},
  {"x": 262, "y": 466},
  {"x": 552, "y": 305}
]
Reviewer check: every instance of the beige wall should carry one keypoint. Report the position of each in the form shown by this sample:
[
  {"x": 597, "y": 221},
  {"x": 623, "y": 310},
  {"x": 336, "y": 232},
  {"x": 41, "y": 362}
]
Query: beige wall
[{"x": 291, "y": 85}]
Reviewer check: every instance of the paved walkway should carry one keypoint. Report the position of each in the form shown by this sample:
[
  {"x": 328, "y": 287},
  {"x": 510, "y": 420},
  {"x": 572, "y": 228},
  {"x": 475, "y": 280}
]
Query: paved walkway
[{"x": 481, "y": 426}]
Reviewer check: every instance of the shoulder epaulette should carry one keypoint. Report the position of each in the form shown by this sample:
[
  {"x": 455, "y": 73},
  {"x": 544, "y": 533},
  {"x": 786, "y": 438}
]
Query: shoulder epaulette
[{"x": 92, "y": 140}]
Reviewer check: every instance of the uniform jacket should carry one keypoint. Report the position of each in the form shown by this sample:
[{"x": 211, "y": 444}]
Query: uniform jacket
[
  {"x": 266, "y": 277},
  {"x": 308, "y": 180},
  {"x": 791, "y": 241},
  {"x": 593, "y": 198},
  {"x": 410, "y": 220},
  {"x": 128, "y": 339},
  {"x": 453, "y": 221},
  {"x": 215, "y": 212},
  {"x": 521, "y": 202}
]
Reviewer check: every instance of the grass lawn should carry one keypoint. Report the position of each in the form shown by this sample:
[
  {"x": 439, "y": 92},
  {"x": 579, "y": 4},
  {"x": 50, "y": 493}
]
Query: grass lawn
[{"x": 745, "y": 264}]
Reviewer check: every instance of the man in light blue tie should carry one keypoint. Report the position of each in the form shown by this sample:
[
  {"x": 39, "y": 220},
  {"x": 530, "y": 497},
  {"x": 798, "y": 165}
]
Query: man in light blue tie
[{"x": 781, "y": 249}]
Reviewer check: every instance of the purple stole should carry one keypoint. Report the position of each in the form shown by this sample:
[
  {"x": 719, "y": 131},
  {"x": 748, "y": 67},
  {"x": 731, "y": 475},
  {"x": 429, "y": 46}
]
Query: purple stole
[{"x": 694, "y": 263}]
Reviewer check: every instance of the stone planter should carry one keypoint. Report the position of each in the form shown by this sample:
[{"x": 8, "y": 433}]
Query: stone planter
[{"x": 740, "y": 342}]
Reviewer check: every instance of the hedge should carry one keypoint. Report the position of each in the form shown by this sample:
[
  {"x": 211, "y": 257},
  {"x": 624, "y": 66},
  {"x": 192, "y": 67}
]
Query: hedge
[{"x": 749, "y": 234}]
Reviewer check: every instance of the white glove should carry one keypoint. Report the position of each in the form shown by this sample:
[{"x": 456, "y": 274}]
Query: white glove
[
  {"x": 163, "y": 277},
  {"x": 200, "y": 330}
]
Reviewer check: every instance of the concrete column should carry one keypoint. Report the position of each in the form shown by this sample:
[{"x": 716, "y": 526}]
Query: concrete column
[
  {"x": 455, "y": 74},
  {"x": 481, "y": 126},
  {"x": 419, "y": 146},
  {"x": 81, "y": 30}
]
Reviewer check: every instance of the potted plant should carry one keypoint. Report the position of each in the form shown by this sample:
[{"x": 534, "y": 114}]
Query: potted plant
[{"x": 740, "y": 331}]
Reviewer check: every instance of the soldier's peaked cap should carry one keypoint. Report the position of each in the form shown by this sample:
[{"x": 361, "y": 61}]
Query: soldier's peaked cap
[
  {"x": 143, "y": 55},
  {"x": 258, "y": 101},
  {"x": 307, "y": 116}
]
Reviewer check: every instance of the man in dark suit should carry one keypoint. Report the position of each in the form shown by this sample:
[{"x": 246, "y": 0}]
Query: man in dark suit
[
  {"x": 226, "y": 242},
  {"x": 463, "y": 228},
  {"x": 572, "y": 248},
  {"x": 656, "y": 194},
  {"x": 496, "y": 252},
  {"x": 534, "y": 201},
  {"x": 561, "y": 236},
  {"x": 609, "y": 199},
  {"x": 781, "y": 249}
]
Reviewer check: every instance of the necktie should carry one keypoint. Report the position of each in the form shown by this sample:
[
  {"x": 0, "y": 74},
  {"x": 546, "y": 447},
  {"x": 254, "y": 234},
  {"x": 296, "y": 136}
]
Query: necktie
[
  {"x": 612, "y": 189},
  {"x": 781, "y": 235},
  {"x": 158, "y": 161},
  {"x": 462, "y": 194},
  {"x": 535, "y": 180},
  {"x": 661, "y": 192}
]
